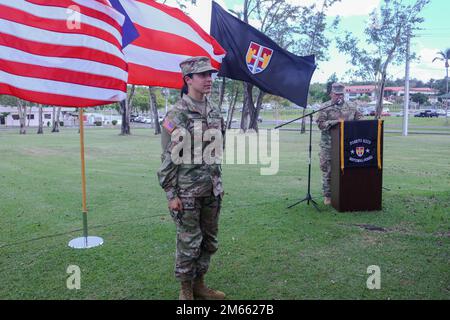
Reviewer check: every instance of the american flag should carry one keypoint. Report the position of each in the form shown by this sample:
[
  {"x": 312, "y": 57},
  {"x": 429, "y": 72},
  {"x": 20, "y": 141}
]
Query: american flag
[
  {"x": 62, "y": 52},
  {"x": 45, "y": 57},
  {"x": 167, "y": 36}
]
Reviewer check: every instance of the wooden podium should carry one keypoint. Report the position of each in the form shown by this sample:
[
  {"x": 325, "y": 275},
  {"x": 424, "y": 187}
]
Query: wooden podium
[{"x": 355, "y": 188}]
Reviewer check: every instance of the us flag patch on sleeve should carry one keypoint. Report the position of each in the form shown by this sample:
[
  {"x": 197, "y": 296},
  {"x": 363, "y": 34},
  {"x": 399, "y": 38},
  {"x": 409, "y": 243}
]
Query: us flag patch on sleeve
[{"x": 168, "y": 125}]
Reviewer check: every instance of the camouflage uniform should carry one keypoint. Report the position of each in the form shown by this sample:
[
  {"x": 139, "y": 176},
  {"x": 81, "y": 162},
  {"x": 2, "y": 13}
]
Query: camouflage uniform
[
  {"x": 199, "y": 186},
  {"x": 326, "y": 119}
]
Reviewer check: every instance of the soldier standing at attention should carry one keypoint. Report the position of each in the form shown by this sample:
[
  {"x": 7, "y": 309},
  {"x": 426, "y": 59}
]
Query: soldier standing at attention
[
  {"x": 194, "y": 189},
  {"x": 342, "y": 110}
]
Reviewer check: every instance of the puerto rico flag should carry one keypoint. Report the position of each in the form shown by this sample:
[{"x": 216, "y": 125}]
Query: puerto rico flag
[{"x": 167, "y": 36}]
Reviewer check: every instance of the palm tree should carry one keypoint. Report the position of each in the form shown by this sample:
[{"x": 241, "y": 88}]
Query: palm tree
[{"x": 444, "y": 56}]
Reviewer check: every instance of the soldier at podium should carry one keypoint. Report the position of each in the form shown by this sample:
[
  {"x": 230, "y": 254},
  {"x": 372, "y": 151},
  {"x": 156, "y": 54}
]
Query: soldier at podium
[{"x": 341, "y": 110}]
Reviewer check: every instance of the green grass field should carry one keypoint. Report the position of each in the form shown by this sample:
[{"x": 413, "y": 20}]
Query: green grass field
[{"x": 266, "y": 251}]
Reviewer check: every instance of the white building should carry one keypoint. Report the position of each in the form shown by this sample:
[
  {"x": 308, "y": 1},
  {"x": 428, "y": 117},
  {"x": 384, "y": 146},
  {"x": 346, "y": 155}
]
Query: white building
[
  {"x": 355, "y": 92},
  {"x": 390, "y": 93},
  {"x": 9, "y": 116}
]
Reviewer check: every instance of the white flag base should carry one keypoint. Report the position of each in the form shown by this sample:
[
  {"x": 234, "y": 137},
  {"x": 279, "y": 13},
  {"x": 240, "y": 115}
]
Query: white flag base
[{"x": 85, "y": 242}]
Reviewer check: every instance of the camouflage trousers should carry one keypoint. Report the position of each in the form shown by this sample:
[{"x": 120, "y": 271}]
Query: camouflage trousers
[
  {"x": 197, "y": 229},
  {"x": 325, "y": 166},
  {"x": 325, "y": 162}
]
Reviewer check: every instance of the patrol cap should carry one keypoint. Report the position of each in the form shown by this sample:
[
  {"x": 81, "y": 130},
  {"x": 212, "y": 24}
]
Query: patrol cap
[
  {"x": 196, "y": 65},
  {"x": 337, "y": 88}
]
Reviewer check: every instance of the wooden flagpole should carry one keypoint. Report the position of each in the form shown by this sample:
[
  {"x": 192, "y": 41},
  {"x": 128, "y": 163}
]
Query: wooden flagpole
[
  {"x": 84, "y": 242},
  {"x": 83, "y": 174}
]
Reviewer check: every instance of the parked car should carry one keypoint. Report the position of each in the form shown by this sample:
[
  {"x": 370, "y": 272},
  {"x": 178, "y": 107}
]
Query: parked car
[
  {"x": 371, "y": 111},
  {"x": 361, "y": 109},
  {"x": 426, "y": 114},
  {"x": 365, "y": 112},
  {"x": 140, "y": 119}
]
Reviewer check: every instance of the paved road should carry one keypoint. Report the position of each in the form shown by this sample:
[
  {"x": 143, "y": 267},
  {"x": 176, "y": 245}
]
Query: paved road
[
  {"x": 410, "y": 131},
  {"x": 270, "y": 124}
]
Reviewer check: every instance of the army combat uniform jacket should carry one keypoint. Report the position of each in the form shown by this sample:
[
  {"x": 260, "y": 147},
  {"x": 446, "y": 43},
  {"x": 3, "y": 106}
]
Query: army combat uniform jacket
[
  {"x": 326, "y": 119},
  {"x": 331, "y": 116},
  {"x": 190, "y": 179}
]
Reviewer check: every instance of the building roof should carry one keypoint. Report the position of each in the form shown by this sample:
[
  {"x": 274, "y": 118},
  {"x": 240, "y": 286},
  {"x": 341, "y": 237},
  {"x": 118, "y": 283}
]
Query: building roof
[
  {"x": 397, "y": 89},
  {"x": 13, "y": 109},
  {"x": 359, "y": 89}
]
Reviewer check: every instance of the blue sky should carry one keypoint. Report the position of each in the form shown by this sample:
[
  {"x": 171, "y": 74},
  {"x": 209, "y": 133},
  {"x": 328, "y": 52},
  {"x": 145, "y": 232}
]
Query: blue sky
[{"x": 354, "y": 16}]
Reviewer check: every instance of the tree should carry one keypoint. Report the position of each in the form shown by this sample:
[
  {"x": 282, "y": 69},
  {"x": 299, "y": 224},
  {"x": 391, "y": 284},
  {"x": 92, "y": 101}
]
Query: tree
[
  {"x": 313, "y": 26},
  {"x": 439, "y": 84},
  {"x": 419, "y": 98},
  {"x": 154, "y": 109},
  {"x": 386, "y": 41},
  {"x": 222, "y": 91},
  {"x": 317, "y": 93},
  {"x": 299, "y": 29},
  {"x": 22, "y": 108},
  {"x": 125, "y": 127},
  {"x": 55, "y": 115},
  {"x": 41, "y": 121},
  {"x": 4, "y": 115},
  {"x": 444, "y": 56},
  {"x": 8, "y": 100},
  {"x": 332, "y": 79},
  {"x": 233, "y": 100},
  {"x": 54, "y": 119},
  {"x": 125, "y": 107},
  {"x": 364, "y": 98}
]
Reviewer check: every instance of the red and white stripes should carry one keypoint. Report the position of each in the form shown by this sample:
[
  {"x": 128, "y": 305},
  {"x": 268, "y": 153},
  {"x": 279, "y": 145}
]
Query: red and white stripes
[
  {"x": 167, "y": 37},
  {"x": 43, "y": 60}
]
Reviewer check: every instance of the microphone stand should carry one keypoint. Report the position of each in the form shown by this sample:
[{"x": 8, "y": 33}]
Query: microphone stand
[{"x": 308, "y": 198}]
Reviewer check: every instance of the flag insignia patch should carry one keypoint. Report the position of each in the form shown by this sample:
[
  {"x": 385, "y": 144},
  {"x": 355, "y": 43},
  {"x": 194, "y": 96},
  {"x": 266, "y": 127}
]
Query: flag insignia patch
[
  {"x": 258, "y": 57},
  {"x": 168, "y": 125}
]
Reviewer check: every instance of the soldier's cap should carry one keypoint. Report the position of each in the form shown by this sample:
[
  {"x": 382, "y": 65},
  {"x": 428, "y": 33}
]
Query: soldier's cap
[
  {"x": 337, "y": 88},
  {"x": 196, "y": 65}
]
